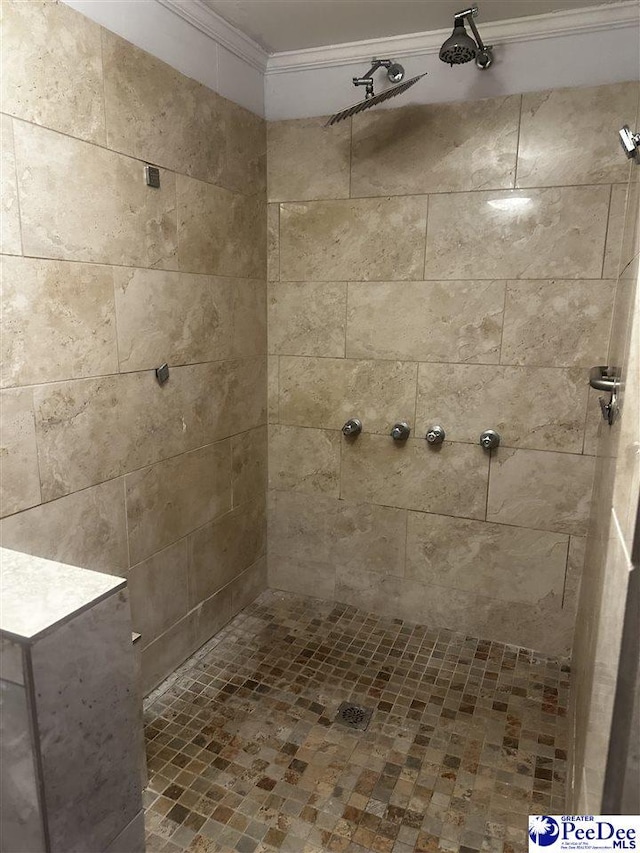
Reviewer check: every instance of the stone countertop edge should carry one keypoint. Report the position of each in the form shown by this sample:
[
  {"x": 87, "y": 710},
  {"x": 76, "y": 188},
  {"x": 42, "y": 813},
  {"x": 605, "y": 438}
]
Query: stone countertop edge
[{"x": 38, "y": 595}]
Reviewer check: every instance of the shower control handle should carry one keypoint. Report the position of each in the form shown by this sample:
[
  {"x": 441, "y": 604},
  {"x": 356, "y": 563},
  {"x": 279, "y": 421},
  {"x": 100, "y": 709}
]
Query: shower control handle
[
  {"x": 352, "y": 427},
  {"x": 489, "y": 439},
  {"x": 435, "y": 435},
  {"x": 401, "y": 431}
]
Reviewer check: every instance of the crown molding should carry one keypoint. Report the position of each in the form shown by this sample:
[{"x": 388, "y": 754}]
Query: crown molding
[
  {"x": 549, "y": 25},
  {"x": 200, "y": 16}
]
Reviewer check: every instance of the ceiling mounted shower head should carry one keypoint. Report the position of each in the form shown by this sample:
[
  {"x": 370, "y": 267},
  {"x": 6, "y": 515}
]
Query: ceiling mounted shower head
[
  {"x": 395, "y": 74},
  {"x": 460, "y": 48}
]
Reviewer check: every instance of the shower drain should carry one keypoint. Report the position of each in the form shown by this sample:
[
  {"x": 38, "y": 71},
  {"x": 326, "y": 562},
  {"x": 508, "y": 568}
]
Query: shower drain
[{"x": 354, "y": 716}]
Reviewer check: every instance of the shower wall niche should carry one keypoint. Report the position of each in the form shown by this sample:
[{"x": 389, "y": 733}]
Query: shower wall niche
[
  {"x": 455, "y": 265},
  {"x": 106, "y": 278}
]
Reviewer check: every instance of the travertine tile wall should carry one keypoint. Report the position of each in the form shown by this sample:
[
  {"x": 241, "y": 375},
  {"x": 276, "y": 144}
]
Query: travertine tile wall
[
  {"x": 104, "y": 279},
  {"x": 450, "y": 264},
  {"x": 610, "y": 539}
]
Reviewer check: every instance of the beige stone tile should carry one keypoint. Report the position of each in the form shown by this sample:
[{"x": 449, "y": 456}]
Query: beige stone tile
[
  {"x": 541, "y": 625},
  {"x": 296, "y": 574},
  {"x": 273, "y": 242},
  {"x": 307, "y": 160},
  {"x": 248, "y": 585},
  {"x": 273, "y": 370},
  {"x": 540, "y": 489},
  {"x": 164, "y": 655},
  {"x": 553, "y": 120},
  {"x": 451, "y": 479},
  {"x": 541, "y": 408},
  {"x": 87, "y": 528},
  {"x": 157, "y": 114},
  {"x": 388, "y": 320},
  {"x": 436, "y": 148},
  {"x": 557, "y": 323},
  {"x": 594, "y": 423},
  {"x": 174, "y": 317},
  {"x": 307, "y": 318},
  {"x": 59, "y": 321},
  {"x": 10, "y": 241},
  {"x": 326, "y": 392},
  {"x": 213, "y": 614},
  {"x": 54, "y": 58},
  {"x": 221, "y": 550},
  {"x": 249, "y": 465},
  {"x": 136, "y": 422},
  {"x": 573, "y": 577},
  {"x": 20, "y": 482},
  {"x": 97, "y": 207},
  {"x": 183, "y": 318},
  {"x": 359, "y": 239},
  {"x": 168, "y": 500},
  {"x": 249, "y": 302},
  {"x": 304, "y": 460},
  {"x": 493, "y": 560},
  {"x": 336, "y": 532},
  {"x": 158, "y": 591},
  {"x": 558, "y": 232},
  {"x": 615, "y": 230},
  {"x": 220, "y": 232}
]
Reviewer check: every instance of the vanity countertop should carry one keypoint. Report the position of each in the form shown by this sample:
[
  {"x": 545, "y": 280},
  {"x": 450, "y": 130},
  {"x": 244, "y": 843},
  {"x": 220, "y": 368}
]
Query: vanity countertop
[{"x": 38, "y": 594}]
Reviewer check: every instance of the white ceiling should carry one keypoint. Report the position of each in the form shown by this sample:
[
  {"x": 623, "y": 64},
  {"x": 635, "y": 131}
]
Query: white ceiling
[{"x": 280, "y": 25}]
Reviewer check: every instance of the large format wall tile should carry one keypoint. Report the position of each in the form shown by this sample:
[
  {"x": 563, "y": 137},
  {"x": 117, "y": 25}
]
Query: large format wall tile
[
  {"x": 59, "y": 321},
  {"x": 540, "y": 489},
  {"x": 97, "y": 206},
  {"x": 10, "y": 241},
  {"x": 158, "y": 591},
  {"x": 87, "y": 529},
  {"x": 221, "y": 550},
  {"x": 220, "y": 232},
  {"x": 326, "y": 392},
  {"x": 173, "y": 317},
  {"x": 426, "y": 321},
  {"x": 307, "y": 318},
  {"x": 304, "y": 460},
  {"x": 557, "y": 323},
  {"x": 273, "y": 242},
  {"x": 168, "y": 651},
  {"x": 494, "y": 560},
  {"x": 368, "y": 239},
  {"x": 249, "y": 465},
  {"x": 135, "y": 422},
  {"x": 436, "y": 148},
  {"x": 52, "y": 68},
  {"x": 451, "y": 479},
  {"x": 296, "y": 574},
  {"x": 558, "y": 232},
  {"x": 337, "y": 533},
  {"x": 20, "y": 482},
  {"x": 540, "y": 408},
  {"x": 183, "y": 318},
  {"x": 552, "y": 122},
  {"x": 170, "y": 499},
  {"x": 306, "y": 160}
]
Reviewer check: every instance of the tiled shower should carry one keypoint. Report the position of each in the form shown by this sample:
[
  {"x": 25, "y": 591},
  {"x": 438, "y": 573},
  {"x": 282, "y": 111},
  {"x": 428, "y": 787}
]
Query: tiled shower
[{"x": 460, "y": 264}]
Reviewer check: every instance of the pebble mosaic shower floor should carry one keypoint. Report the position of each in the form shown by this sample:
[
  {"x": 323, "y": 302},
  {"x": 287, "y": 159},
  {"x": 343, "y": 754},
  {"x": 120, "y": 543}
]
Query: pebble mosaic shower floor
[{"x": 467, "y": 738}]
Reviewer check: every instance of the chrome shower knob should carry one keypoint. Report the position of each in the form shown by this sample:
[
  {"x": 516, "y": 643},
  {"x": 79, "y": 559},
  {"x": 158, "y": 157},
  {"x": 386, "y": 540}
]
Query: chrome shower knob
[
  {"x": 489, "y": 439},
  {"x": 401, "y": 431},
  {"x": 435, "y": 435},
  {"x": 352, "y": 427}
]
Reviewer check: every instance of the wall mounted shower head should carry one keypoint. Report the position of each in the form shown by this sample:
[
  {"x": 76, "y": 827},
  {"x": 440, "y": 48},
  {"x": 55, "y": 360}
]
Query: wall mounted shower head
[
  {"x": 460, "y": 48},
  {"x": 395, "y": 73}
]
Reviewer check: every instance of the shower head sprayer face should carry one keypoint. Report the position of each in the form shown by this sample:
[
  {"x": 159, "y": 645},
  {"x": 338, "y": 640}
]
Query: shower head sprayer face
[{"x": 459, "y": 47}]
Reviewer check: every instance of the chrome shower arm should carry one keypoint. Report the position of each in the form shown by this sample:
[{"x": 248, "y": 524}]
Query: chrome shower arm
[
  {"x": 367, "y": 79},
  {"x": 475, "y": 32}
]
